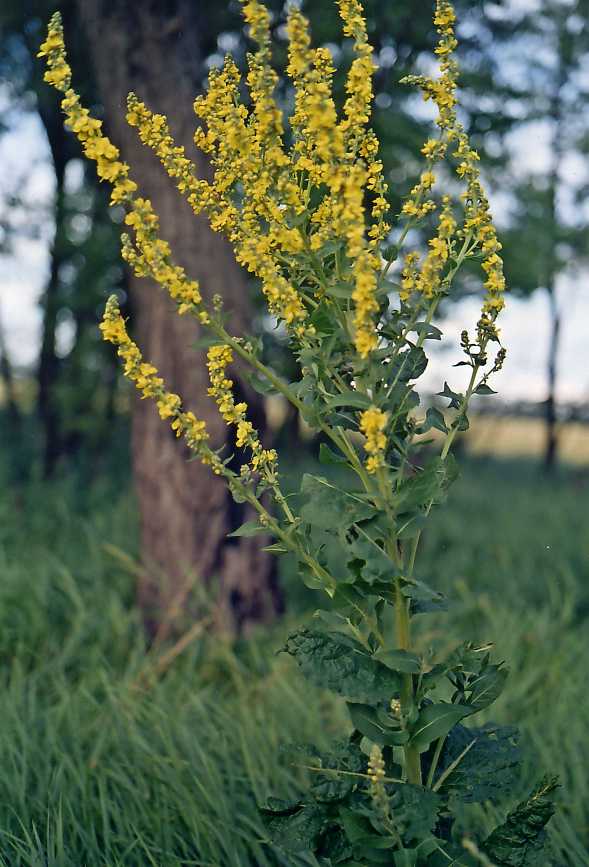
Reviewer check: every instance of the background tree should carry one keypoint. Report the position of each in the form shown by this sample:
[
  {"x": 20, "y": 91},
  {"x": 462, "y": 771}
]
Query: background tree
[
  {"x": 546, "y": 238},
  {"x": 158, "y": 50},
  {"x": 75, "y": 378}
]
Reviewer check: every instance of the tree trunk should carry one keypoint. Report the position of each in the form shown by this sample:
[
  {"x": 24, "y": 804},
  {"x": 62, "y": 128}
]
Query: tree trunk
[
  {"x": 555, "y": 115},
  {"x": 551, "y": 447},
  {"x": 152, "y": 48}
]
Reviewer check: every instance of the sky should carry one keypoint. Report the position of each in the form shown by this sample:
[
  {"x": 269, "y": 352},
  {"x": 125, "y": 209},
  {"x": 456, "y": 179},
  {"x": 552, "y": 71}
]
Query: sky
[{"x": 524, "y": 324}]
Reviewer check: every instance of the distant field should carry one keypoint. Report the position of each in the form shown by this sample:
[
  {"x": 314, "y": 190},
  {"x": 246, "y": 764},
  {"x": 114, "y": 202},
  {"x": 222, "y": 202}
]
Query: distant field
[{"x": 511, "y": 436}]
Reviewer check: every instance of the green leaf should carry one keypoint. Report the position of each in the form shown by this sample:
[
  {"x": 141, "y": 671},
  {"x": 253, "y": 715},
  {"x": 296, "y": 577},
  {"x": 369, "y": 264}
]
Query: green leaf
[
  {"x": 454, "y": 397},
  {"x": 400, "y": 660},
  {"x": 368, "y": 722},
  {"x": 328, "y": 506},
  {"x": 334, "y": 662},
  {"x": 414, "y": 589},
  {"x": 415, "y": 810},
  {"x": 520, "y": 840},
  {"x": 487, "y": 687},
  {"x": 348, "y": 398},
  {"x": 328, "y": 456},
  {"x": 435, "y": 721},
  {"x": 432, "y": 332},
  {"x": 260, "y": 384},
  {"x": 371, "y": 561},
  {"x": 296, "y": 830},
  {"x": 433, "y": 419},
  {"x": 250, "y": 528},
  {"x": 335, "y": 847},
  {"x": 410, "y": 364},
  {"x": 461, "y": 422},
  {"x": 410, "y": 525},
  {"x": 339, "y": 290},
  {"x": 488, "y": 770},
  {"x": 323, "y": 321},
  {"x": 276, "y": 548},
  {"x": 484, "y": 389},
  {"x": 334, "y": 778},
  {"x": 428, "y": 485},
  {"x": 361, "y": 833}
]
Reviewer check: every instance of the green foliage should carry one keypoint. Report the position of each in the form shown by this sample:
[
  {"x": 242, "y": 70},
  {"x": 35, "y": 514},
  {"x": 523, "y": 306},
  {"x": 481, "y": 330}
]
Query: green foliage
[
  {"x": 328, "y": 506},
  {"x": 339, "y": 664},
  {"x": 519, "y": 842},
  {"x": 487, "y": 770},
  {"x": 97, "y": 772}
]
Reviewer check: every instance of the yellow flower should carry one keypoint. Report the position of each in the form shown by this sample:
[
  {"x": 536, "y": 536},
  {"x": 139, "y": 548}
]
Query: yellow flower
[
  {"x": 219, "y": 356},
  {"x": 146, "y": 380},
  {"x": 373, "y": 422}
]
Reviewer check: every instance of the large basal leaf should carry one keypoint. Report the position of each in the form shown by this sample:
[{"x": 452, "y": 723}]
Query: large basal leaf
[
  {"x": 488, "y": 770},
  {"x": 296, "y": 830},
  {"x": 334, "y": 848},
  {"x": 519, "y": 842},
  {"x": 415, "y": 810},
  {"x": 331, "y": 662},
  {"x": 334, "y": 777},
  {"x": 328, "y": 506}
]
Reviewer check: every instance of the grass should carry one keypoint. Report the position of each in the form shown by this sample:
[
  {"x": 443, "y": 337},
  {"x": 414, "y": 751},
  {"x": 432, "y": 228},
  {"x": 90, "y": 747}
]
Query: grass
[{"x": 102, "y": 768}]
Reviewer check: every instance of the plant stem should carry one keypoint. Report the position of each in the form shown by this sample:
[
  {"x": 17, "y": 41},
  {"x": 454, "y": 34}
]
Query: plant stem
[
  {"x": 403, "y": 639},
  {"x": 444, "y": 454}
]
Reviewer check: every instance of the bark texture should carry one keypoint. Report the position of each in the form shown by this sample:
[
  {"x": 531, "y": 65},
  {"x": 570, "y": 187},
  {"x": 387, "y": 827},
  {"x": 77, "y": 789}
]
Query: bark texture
[{"x": 152, "y": 48}]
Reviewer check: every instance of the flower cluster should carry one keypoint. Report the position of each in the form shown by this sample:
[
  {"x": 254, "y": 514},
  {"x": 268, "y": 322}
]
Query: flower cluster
[
  {"x": 150, "y": 255},
  {"x": 305, "y": 214},
  {"x": 376, "y": 770},
  {"x": 478, "y": 225},
  {"x": 96, "y": 146},
  {"x": 146, "y": 380},
  {"x": 219, "y": 356},
  {"x": 373, "y": 424}
]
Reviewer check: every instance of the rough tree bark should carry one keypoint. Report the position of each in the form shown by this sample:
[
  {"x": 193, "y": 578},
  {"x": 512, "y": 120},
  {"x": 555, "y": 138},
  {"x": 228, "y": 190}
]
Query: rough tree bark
[{"x": 152, "y": 48}]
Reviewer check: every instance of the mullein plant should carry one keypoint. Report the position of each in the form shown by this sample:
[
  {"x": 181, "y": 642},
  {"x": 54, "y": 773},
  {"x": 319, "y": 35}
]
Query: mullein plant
[{"x": 304, "y": 204}]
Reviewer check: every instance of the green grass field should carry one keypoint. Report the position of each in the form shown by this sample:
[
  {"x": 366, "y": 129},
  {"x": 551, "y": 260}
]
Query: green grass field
[{"x": 103, "y": 766}]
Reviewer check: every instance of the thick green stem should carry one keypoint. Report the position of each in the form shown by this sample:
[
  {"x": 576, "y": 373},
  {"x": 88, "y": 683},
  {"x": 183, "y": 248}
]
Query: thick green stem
[{"x": 403, "y": 638}]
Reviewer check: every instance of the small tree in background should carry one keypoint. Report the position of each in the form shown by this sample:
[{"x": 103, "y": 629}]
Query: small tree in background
[{"x": 547, "y": 238}]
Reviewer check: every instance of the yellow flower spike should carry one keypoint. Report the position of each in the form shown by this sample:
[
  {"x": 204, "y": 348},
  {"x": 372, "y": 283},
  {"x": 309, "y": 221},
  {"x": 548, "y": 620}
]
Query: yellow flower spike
[
  {"x": 152, "y": 255},
  {"x": 373, "y": 422},
  {"x": 219, "y": 356},
  {"x": 429, "y": 280},
  {"x": 262, "y": 79},
  {"x": 154, "y": 132},
  {"x": 358, "y": 105},
  {"x": 478, "y": 224},
  {"x": 144, "y": 376},
  {"x": 409, "y": 276},
  {"x": 318, "y": 139}
]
